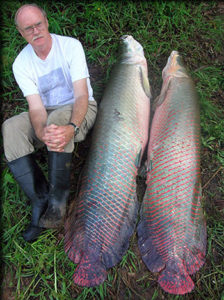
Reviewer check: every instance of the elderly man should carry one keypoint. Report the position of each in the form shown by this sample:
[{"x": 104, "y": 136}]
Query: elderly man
[{"x": 52, "y": 73}]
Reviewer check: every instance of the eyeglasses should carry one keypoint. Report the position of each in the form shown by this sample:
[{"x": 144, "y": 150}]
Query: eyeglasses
[{"x": 30, "y": 30}]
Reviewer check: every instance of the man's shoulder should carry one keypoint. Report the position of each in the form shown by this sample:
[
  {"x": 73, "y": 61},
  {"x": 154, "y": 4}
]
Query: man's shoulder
[
  {"x": 66, "y": 40},
  {"x": 23, "y": 56}
]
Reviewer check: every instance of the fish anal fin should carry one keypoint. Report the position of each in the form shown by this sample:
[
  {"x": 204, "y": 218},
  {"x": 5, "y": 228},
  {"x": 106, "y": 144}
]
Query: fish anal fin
[
  {"x": 89, "y": 273},
  {"x": 174, "y": 279}
]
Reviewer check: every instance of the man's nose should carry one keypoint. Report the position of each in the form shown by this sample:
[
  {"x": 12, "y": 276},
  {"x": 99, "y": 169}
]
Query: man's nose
[{"x": 35, "y": 30}]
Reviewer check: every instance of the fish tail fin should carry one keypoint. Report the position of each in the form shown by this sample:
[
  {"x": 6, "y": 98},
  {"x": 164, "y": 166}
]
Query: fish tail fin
[
  {"x": 89, "y": 273},
  {"x": 174, "y": 279},
  {"x": 148, "y": 251}
]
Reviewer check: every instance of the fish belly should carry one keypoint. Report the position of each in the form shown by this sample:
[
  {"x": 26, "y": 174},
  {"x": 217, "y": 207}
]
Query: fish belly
[
  {"x": 172, "y": 231},
  {"x": 99, "y": 227}
]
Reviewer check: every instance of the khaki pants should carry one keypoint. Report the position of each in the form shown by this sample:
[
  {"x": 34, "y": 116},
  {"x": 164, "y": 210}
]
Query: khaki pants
[{"x": 19, "y": 138}]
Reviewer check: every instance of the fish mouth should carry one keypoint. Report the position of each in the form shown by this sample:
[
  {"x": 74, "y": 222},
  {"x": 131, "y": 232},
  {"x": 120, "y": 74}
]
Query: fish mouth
[
  {"x": 127, "y": 40},
  {"x": 173, "y": 59},
  {"x": 126, "y": 36},
  {"x": 132, "y": 49},
  {"x": 174, "y": 54}
]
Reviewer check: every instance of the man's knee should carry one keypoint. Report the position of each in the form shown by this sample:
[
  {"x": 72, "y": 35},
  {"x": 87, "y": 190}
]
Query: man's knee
[
  {"x": 60, "y": 116},
  {"x": 18, "y": 136},
  {"x": 16, "y": 124},
  {"x": 8, "y": 127}
]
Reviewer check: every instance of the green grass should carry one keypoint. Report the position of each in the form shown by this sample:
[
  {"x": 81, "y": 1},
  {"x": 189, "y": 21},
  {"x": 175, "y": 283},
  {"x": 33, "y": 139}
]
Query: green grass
[{"x": 42, "y": 270}]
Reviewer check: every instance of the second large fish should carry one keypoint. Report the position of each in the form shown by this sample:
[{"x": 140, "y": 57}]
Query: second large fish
[
  {"x": 98, "y": 229},
  {"x": 172, "y": 231}
]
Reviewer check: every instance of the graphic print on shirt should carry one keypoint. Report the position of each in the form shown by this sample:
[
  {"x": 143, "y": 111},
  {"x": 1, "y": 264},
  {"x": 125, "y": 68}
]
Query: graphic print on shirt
[{"x": 54, "y": 89}]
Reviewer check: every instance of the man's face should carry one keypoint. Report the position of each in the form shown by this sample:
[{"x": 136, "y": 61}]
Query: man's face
[{"x": 33, "y": 26}]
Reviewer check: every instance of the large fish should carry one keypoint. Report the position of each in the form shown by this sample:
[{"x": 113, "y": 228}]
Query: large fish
[
  {"x": 98, "y": 230},
  {"x": 172, "y": 231}
]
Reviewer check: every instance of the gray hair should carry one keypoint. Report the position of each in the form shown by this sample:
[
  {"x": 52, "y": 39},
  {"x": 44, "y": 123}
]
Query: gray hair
[{"x": 27, "y": 5}]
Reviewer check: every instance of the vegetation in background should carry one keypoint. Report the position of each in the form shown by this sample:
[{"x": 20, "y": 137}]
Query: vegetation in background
[{"x": 42, "y": 270}]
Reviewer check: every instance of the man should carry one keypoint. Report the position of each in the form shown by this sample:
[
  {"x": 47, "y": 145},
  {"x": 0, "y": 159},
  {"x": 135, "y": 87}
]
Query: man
[{"x": 52, "y": 73}]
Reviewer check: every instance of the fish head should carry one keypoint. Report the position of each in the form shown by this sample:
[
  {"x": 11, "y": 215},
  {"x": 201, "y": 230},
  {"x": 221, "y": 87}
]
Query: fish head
[
  {"x": 174, "y": 66},
  {"x": 131, "y": 51}
]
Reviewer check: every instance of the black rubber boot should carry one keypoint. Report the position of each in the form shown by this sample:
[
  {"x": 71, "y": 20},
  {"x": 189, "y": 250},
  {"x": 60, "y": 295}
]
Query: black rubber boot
[
  {"x": 34, "y": 184},
  {"x": 59, "y": 166}
]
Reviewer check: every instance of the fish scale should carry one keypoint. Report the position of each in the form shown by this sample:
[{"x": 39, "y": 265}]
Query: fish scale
[
  {"x": 103, "y": 219},
  {"x": 172, "y": 232}
]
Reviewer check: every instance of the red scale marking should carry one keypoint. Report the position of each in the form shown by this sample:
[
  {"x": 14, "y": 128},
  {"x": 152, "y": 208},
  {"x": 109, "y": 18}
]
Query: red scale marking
[
  {"x": 161, "y": 225},
  {"x": 105, "y": 201},
  {"x": 169, "y": 176},
  {"x": 164, "y": 231},
  {"x": 118, "y": 195},
  {"x": 156, "y": 196},
  {"x": 105, "y": 235},
  {"x": 173, "y": 180},
  {"x": 188, "y": 155},
  {"x": 181, "y": 197},
  {"x": 158, "y": 157},
  {"x": 163, "y": 242},
  {"x": 168, "y": 218},
  {"x": 111, "y": 210},
  {"x": 158, "y": 210},
  {"x": 122, "y": 194}
]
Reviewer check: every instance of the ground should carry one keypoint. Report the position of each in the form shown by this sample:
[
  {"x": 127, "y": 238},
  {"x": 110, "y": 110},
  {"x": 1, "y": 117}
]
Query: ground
[{"x": 213, "y": 198}]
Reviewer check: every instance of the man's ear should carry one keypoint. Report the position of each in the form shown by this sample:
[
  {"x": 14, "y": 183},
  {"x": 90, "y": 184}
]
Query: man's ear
[{"x": 20, "y": 31}]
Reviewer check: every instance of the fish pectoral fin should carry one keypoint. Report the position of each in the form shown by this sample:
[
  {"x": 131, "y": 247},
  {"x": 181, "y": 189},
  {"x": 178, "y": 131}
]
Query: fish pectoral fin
[
  {"x": 162, "y": 96},
  {"x": 142, "y": 172},
  {"x": 145, "y": 83},
  {"x": 138, "y": 158}
]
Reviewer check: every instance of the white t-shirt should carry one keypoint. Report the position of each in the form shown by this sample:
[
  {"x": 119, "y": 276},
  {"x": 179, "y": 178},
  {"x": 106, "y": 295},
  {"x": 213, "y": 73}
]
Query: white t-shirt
[{"x": 52, "y": 78}]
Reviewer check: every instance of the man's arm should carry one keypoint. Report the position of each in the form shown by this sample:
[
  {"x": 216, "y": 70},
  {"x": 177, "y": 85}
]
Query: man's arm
[
  {"x": 81, "y": 103},
  {"x": 57, "y": 137},
  {"x": 80, "y": 107},
  {"x": 38, "y": 115}
]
